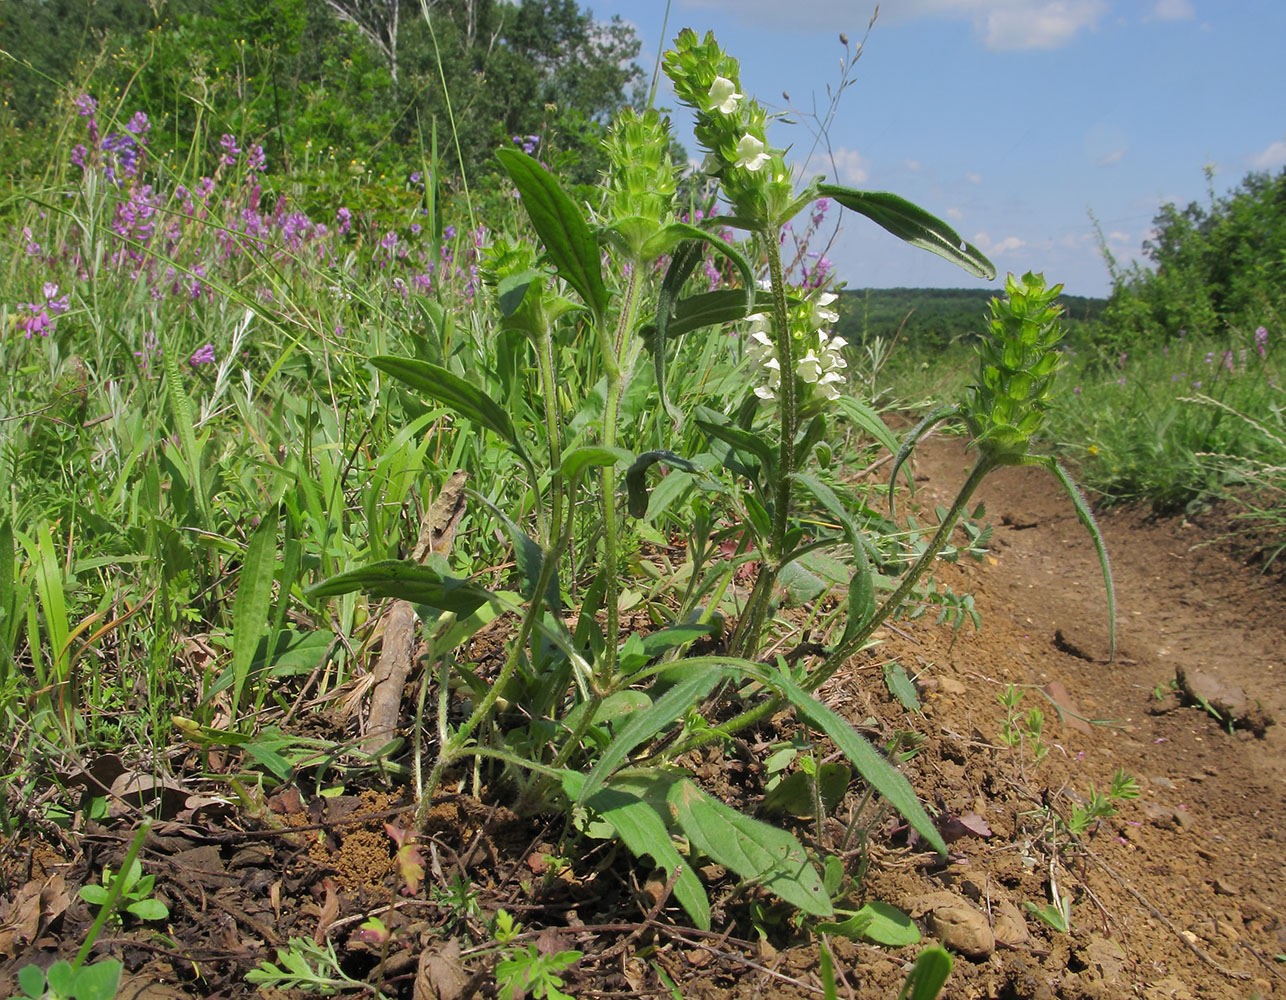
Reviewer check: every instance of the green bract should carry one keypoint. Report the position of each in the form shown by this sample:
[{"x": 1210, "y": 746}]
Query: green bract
[{"x": 641, "y": 178}]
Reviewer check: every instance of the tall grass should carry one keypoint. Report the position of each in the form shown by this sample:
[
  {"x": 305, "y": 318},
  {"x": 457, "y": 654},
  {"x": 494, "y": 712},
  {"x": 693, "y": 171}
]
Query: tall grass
[{"x": 1174, "y": 423}]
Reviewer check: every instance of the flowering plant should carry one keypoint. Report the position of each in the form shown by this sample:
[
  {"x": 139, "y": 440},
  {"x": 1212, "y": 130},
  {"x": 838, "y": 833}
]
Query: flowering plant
[{"x": 592, "y": 700}]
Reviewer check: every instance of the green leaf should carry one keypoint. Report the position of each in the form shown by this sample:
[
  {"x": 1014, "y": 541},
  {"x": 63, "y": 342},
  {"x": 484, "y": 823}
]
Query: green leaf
[
  {"x": 98, "y": 981},
  {"x": 903, "y": 452},
  {"x": 636, "y": 481},
  {"x": 407, "y": 580},
  {"x": 716, "y": 425},
  {"x": 643, "y": 831},
  {"x": 576, "y": 460},
  {"x": 868, "y": 420},
  {"x": 879, "y": 922},
  {"x": 900, "y": 686},
  {"x": 31, "y": 980},
  {"x": 96, "y": 895},
  {"x": 61, "y": 978},
  {"x": 252, "y": 601},
  {"x": 757, "y": 852},
  {"x": 667, "y": 709},
  {"x": 913, "y": 224},
  {"x": 148, "y": 909},
  {"x": 1086, "y": 517},
  {"x": 794, "y": 795},
  {"x": 928, "y": 975},
  {"x": 712, "y": 309},
  {"x": 569, "y": 242},
  {"x": 679, "y": 232},
  {"x": 870, "y": 764},
  {"x": 682, "y": 263},
  {"x": 181, "y": 408},
  {"x": 448, "y": 388}
]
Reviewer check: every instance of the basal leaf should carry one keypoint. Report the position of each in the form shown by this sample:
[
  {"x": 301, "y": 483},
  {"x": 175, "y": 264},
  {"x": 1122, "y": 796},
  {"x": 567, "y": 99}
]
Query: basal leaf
[
  {"x": 407, "y": 580},
  {"x": 759, "y": 853},
  {"x": 643, "y": 831},
  {"x": 870, "y": 764},
  {"x": 252, "y": 601},
  {"x": 900, "y": 686},
  {"x": 911, "y": 223},
  {"x": 577, "y": 460},
  {"x": 879, "y": 922},
  {"x": 569, "y": 241},
  {"x": 666, "y": 710}
]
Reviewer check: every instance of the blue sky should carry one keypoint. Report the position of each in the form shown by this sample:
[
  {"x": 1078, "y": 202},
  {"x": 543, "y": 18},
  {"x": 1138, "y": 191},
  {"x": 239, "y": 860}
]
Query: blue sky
[{"x": 1011, "y": 119}]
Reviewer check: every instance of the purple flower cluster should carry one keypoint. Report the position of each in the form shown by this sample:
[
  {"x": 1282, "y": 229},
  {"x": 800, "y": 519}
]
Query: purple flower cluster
[
  {"x": 527, "y": 142},
  {"x": 39, "y": 318}
]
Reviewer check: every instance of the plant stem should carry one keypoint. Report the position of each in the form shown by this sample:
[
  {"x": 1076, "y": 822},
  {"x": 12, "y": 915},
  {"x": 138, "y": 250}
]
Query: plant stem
[
  {"x": 618, "y": 375},
  {"x": 851, "y": 645}
]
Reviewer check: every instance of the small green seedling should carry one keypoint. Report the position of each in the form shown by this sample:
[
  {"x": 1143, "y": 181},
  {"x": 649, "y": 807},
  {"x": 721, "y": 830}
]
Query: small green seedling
[
  {"x": 135, "y": 894},
  {"x": 62, "y": 981},
  {"x": 525, "y": 971}
]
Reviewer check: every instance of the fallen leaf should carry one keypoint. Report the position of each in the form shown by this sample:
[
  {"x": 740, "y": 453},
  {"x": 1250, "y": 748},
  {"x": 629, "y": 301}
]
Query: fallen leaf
[{"x": 441, "y": 974}]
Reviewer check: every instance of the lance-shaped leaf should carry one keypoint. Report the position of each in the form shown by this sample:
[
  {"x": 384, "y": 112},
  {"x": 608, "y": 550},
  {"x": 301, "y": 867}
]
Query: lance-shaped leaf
[
  {"x": 642, "y": 726},
  {"x": 759, "y": 853},
  {"x": 717, "y": 426},
  {"x": 911, "y": 223},
  {"x": 448, "y": 388},
  {"x": 724, "y": 305},
  {"x": 644, "y": 831},
  {"x": 407, "y": 580},
  {"x": 569, "y": 241},
  {"x": 861, "y": 588},
  {"x": 930, "y": 420},
  {"x": 679, "y": 232},
  {"x": 682, "y": 263},
  {"x": 636, "y": 481},
  {"x": 870, "y": 764},
  {"x": 576, "y": 460}
]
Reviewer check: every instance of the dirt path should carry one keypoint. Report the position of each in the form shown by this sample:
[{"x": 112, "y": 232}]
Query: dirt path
[{"x": 1183, "y": 894}]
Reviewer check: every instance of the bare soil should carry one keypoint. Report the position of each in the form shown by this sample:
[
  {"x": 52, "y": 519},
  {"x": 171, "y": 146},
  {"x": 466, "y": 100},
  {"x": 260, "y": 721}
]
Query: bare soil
[{"x": 1182, "y": 894}]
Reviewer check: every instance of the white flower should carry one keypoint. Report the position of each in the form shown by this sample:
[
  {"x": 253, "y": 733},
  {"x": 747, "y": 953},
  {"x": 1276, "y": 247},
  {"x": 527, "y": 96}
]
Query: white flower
[
  {"x": 822, "y": 313},
  {"x": 750, "y": 154},
  {"x": 723, "y": 94}
]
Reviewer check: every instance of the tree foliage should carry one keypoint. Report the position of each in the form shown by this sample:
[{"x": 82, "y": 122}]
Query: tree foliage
[
  {"x": 344, "y": 85},
  {"x": 1215, "y": 266}
]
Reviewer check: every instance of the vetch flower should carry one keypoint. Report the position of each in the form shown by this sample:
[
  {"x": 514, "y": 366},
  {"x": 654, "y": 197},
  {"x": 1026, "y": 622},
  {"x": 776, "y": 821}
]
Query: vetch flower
[
  {"x": 723, "y": 95},
  {"x": 750, "y": 154},
  {"x": 203, "y": 356}
]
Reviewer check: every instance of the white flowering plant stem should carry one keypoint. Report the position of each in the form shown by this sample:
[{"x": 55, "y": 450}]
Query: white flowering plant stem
[{"x": 583, "y": 718}]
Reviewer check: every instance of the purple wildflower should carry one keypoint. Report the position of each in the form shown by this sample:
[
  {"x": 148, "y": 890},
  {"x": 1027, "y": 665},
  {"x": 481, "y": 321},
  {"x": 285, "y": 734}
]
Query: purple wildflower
[
  {"x": 85, "y": 105},
  {"x": 138, "y": 125},
  {"x": 230, "y": 149},
  {"x": 1261, "y": 340},
  {"x": 345, "y": 219},
  {"x": 256, "y": 157},
  {"x": 449, "y": 233},
  {"x": 203, "y": 356}
]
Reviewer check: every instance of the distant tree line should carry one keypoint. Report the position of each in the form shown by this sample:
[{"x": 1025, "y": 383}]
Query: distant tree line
[{"x": 932, "y": 318}]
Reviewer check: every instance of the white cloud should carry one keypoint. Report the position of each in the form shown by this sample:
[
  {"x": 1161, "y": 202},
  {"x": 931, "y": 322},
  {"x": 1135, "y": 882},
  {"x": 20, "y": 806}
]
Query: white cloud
[
  {"x": 1116, "y": 236},
  {"x": 1107, "y": 159},
  {"x": 1271, "y": 158},
  {"x": 1041, "y": 25},
  {"x": 911, "y": 164},
  {"x": 954, "y": 214},
  {"x": 842, "y": 166},
  {"x": 1174, "y": 10},
  {"x": 973, "y": 177},
  {"x": 985, "y": 243},
  {"x": 851, "y": 166}
]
